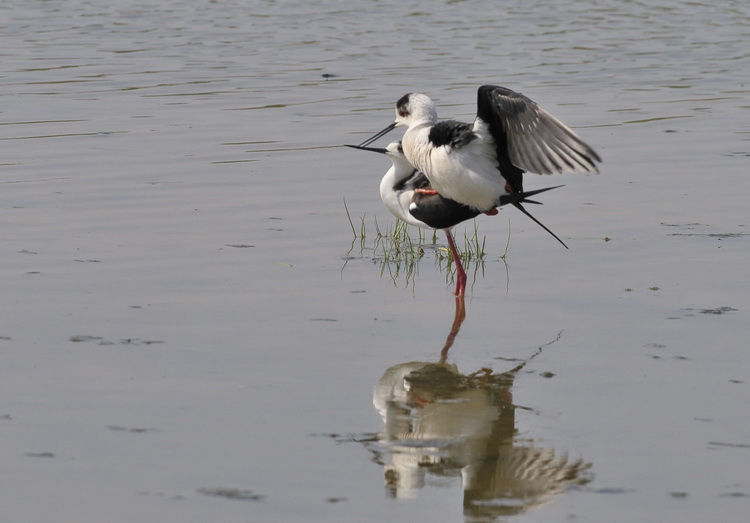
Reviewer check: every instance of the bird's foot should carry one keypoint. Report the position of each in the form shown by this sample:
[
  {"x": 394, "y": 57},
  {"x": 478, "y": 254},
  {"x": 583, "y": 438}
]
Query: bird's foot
[
  {"x": 492, "y": 212},
  {"x": 484, "y": 370},
  {"x": 483, "y": 374},
  {"x": 426, "y": 191}
]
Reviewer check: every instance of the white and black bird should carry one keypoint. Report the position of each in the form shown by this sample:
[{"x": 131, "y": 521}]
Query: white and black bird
[
  {"x": 476, "y": 164},
  {"x": 407, "y": 194}
]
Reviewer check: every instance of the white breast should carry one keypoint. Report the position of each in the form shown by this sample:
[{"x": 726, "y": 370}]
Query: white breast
[{"x": 468, "y": 175}]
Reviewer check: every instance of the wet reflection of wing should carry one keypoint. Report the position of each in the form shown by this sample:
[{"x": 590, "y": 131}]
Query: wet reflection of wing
[
  {"x": 515, "y": 479},
  {"x": 441, "y": 423},
  {"x": 438, "y": 421}
]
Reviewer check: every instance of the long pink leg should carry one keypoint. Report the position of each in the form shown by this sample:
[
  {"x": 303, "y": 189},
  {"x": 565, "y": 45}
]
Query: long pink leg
[
  {"x": 460, "y": 273},
  {"x": 458, "y": 319}
]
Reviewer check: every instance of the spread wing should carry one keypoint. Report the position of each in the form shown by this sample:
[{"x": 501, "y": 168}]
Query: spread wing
[{"x": 529, "y": 137}]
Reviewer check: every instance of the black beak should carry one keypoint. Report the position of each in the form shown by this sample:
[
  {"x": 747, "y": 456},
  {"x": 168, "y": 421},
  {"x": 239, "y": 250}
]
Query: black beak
[
  {"x": 381, "y": 133},
  {"x": 373, "y": 149},
  {"x": 516, "y": 199}
]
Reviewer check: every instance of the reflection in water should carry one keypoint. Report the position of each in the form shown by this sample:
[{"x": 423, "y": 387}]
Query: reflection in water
[{"x": 441, "y": 424}]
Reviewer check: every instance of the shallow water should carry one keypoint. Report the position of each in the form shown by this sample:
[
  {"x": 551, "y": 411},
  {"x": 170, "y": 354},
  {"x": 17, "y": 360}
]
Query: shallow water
[{"x": 190, "y": 332}]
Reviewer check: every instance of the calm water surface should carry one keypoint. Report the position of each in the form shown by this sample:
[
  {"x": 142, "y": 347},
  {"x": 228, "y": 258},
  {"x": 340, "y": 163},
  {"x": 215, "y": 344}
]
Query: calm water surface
[{"x": 190, "y": 332}]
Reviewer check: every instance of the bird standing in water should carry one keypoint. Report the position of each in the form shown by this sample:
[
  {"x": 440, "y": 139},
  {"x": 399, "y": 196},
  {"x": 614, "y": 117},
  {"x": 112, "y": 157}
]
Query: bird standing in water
[
  {"x": 477, "y": 164},
  {"x": 407, "y": 194}
]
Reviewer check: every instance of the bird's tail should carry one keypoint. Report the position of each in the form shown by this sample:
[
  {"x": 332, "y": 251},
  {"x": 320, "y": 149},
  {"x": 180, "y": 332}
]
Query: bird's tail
[
  {"x": 523, "y": 197},
  {"x": 517, "y": 199}
]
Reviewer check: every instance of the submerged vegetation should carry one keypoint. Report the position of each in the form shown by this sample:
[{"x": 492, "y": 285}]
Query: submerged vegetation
[{"x": 398, "y": 252}]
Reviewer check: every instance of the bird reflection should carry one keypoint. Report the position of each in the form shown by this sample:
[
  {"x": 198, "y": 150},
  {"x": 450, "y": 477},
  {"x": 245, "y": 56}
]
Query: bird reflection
[{"x": 442, "y": 424}]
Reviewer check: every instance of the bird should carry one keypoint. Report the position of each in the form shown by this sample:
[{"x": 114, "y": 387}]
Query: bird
[
  {"x": 407, "y": 194},
  {"x": 476, "y": 164}
]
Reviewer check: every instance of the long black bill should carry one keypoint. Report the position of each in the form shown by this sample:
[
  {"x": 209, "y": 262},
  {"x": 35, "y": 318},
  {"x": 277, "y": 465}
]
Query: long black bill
[
  {"x": 381, "y": 133},
  {"x": 373, "y": 149}
]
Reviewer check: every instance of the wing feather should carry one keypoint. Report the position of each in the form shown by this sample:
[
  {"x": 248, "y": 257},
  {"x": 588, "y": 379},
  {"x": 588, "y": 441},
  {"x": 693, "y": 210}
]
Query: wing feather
[{"x": 535, "y": 140}]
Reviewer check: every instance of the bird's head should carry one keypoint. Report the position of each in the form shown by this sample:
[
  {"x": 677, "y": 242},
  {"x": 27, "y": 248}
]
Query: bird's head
[
  {"x": 412, "y": 108},
  {"x": 415, "y": 108},
  {"x": 395, "y": 152}
]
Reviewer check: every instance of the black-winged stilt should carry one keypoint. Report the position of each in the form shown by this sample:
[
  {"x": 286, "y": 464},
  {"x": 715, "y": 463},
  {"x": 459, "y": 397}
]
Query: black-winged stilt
[
  {"x": 407, "y": 194},
  {"x": 478, "y": 164}
]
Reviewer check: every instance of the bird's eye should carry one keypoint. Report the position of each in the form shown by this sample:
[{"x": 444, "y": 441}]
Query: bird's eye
[{"x": 402, "y": 113}]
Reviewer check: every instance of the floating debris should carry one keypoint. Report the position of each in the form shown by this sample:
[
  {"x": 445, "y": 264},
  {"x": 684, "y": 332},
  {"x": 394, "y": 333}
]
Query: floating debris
[
  {"x": 232, "y": 493},
  {"x": 135, "y": 430},
  {"x": 81, "y": 339},
  {"x": 732, "y": 445},
  {"x": 720, "y": 310},
  {"x": 40, "y": 454},
  {"x": 124, "y": 341},
  {"x": 715, "y": 312}
]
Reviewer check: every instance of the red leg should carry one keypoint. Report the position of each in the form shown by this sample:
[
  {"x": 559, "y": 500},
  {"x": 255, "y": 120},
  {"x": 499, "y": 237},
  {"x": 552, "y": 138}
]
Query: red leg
[
  {"x": 458, "y": 319},
  {"x": 460, "y": 273}
]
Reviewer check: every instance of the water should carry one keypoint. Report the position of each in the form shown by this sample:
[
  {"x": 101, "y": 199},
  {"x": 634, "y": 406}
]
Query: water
[{"x": 190, "y": 333}]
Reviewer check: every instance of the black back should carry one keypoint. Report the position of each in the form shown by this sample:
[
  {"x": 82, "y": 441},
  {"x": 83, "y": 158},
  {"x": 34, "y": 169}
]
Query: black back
[{"x": 451, "y": 133}]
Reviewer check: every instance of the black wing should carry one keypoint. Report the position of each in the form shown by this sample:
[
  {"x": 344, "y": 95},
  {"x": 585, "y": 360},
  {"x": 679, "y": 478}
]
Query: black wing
[
  {"x": 529, "y": 138},
  {"x": 488, "y": 113}
]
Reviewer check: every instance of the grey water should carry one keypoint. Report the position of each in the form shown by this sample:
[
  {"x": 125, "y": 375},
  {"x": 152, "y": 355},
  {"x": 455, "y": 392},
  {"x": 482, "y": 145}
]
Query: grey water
[{"x": 190, "y": 330}]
